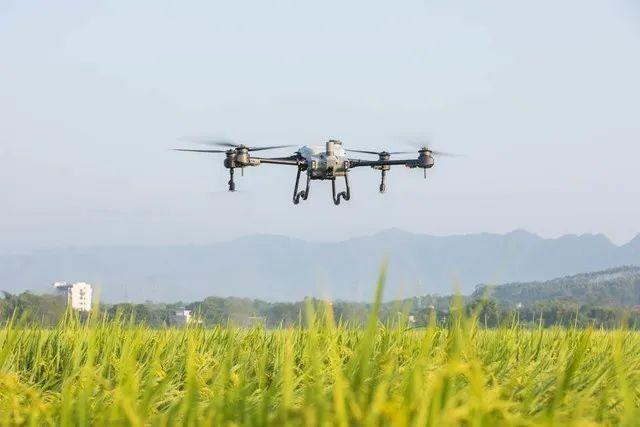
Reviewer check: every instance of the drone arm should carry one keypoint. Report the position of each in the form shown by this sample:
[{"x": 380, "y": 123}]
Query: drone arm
[
  {"x": 279, "y": 161},
  {"x": 358, "y": 162}
]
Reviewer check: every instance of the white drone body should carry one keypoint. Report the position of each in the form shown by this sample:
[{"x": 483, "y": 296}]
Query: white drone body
[{"x": 325, "y": 162}]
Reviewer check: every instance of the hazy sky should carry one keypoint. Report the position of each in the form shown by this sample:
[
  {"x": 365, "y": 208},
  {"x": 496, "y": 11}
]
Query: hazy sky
[{"x": 543, "y": 98}]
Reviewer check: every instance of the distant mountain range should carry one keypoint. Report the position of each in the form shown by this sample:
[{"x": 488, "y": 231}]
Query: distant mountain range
[{"x": 278, "y": 268}]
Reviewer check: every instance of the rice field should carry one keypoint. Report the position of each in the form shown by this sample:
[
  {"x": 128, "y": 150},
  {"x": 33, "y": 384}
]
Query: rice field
[{"x": 328, "y": 373}]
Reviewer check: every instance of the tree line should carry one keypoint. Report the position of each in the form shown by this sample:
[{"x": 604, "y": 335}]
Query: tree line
[{"x": 416, "y": 312}]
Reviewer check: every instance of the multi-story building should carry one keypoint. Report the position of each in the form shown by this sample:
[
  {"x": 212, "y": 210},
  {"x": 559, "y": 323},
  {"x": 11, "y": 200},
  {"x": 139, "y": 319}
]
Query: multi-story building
[{"x": 79, "y": 294}]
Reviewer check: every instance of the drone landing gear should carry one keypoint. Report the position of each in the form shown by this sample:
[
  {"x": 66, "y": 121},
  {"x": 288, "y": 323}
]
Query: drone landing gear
[
  {"x": 382, "y": 186},
  {"x": 232, "y": 185},
  {"x": 346, "y": 195},
  {"x": 304, "y": 193}
]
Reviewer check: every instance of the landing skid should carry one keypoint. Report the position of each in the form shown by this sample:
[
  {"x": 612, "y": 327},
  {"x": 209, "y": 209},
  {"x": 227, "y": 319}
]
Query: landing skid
[
  {"x": 304, "y": 193},
  {"x": 337, "y": 197},
  {"x": 346, "y": 195}
]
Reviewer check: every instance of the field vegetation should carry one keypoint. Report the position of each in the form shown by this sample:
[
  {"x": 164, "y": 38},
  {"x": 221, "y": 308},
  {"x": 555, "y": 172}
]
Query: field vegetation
[{"x": 103, "y": 371}]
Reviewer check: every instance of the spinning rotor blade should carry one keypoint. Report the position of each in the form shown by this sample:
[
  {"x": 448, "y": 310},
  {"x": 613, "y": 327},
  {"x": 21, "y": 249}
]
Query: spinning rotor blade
[
  {"x": 200, "y": 151},
  {"x": 362, "y": 151},
  {"x": 273, "y": 147},
  {"x": 424, "y": 146},
  {"x": 224, "y": 144},
  {"x": 229, "y": 144},
  {"x": 209, "y": 141},
  {"x": 444, "y": 154}
]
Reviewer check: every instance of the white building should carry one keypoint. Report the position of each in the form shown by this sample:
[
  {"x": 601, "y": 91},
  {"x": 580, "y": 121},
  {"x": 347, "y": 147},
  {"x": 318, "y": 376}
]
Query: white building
[
  {"x": 180, "y": 318},
  {"x": 79, "y": 294}
]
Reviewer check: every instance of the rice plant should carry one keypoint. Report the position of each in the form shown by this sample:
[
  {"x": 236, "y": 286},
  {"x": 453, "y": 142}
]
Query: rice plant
[{"x": 103, "y": 372}]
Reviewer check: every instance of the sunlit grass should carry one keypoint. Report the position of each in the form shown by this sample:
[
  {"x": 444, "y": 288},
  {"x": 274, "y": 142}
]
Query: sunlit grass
[{"x": 328, "y": 373}]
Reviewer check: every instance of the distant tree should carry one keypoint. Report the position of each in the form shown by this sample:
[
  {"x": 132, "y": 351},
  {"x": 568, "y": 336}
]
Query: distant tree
[
  {"x": 487, "y": 310},
  {"x": 47, "y": 310}
]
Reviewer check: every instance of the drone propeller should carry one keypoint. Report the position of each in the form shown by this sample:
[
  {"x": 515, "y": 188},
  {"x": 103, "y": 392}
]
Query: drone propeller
[
  {"x": 233, "y": 145},
  {"x": 271, "y": 147},
  {"x": 438, "y": 153},
  {"x": 200, "y": 151},
  {"x": 383, "y": 156},
  {"x": 425, "y": 146}
]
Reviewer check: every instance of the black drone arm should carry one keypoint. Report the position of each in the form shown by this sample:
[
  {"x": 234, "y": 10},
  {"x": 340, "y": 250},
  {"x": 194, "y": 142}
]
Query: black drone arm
[
  {"x": 292, "y": 160},
  {"x": 354, "y": 163}
]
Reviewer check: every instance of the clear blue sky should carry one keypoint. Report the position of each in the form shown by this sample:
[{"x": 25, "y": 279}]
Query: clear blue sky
[{"x": 543, "y": 98}]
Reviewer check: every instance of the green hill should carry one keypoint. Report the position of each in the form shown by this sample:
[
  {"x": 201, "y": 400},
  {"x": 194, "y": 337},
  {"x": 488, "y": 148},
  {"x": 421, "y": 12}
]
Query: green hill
[{"x": 619, "y": 287}]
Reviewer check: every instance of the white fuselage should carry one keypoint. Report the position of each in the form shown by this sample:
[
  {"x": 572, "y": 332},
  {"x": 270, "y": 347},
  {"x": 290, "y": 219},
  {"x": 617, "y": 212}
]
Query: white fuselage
[{"x": 325, "y": 162}]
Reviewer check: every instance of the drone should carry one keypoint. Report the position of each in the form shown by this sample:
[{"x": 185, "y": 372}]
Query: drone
[{"x": 328, "y": 162}]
